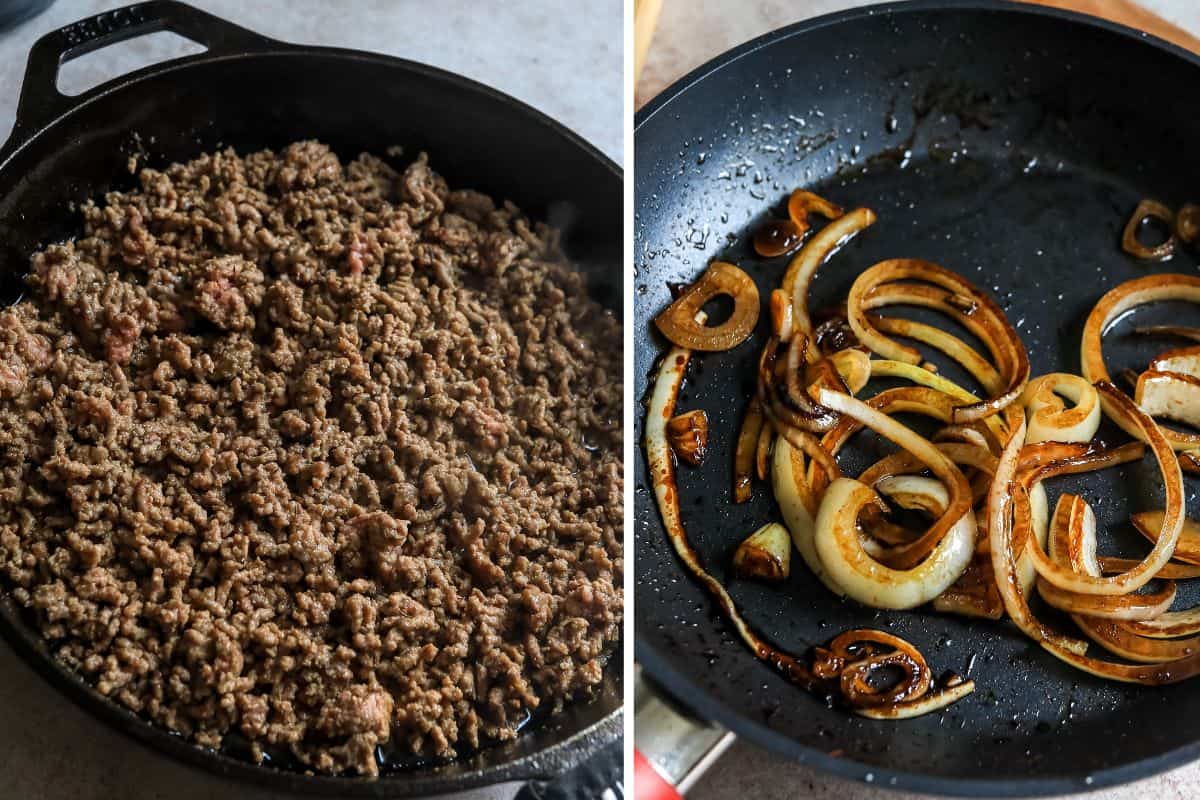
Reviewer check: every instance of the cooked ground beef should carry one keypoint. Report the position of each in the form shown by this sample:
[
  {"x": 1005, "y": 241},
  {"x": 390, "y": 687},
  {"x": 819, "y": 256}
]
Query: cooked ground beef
[{"x": 320, "y": 455}]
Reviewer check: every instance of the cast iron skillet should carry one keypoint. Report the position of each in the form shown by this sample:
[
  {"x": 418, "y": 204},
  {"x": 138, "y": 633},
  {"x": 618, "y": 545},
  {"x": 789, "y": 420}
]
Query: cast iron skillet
[
  {"x": 251, "y": 92},
  {"x": 1033, "y": 135}
]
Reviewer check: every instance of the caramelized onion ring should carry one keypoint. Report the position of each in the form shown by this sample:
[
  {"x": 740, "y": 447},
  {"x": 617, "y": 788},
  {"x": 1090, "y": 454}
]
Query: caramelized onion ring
[
  {"x": 887, "y": 368},
  {"x": 678, "y": 321},
  {"x": 1181, "y": 331},
  {"x": 947, "y": 343},
  {"x": 876, "y": 410},
  {"x": 1050, "y": 419},
  {"x": 1146, "y": 674},
  {"x": 1172, "y": 525},
  {"x": 803, "y": 266},
  {"x": 801, "y": 203},
  {"x": 808, "y": 416},
  {"x": 860, "y": 662},
  {"x": 954, "y": 690},
  {"x": 1172, "y": 572},
  {"x": 1118, "y": 639},
  {"x": 979, "y": 313},
  {"x": 959, "y": 504},
  {"x": 867, "y": 580},
  {"x": 1169, "y": 625},
  {"x": 1116, "y": 303},
  {"x": 1000, "y": 517},
  {"x": 854, "y": 655},
  {"x": 1130, "y": 243}
]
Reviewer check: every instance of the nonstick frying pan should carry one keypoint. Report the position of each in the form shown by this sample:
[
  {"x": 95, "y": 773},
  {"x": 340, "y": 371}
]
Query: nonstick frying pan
[
  {"x": 1009, "y": 143},
  {"x": 250, "y": 92}
]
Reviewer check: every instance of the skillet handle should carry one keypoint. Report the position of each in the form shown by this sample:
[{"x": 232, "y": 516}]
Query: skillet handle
[
  {"x": 41, "y": 101},
  {"x": 674, "y": 748}
]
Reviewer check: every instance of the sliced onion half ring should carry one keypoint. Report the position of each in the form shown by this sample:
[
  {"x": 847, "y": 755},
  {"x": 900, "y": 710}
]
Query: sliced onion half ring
[
  {"x": 662, "y": 475},
  {"x": 744, "y": 451},
  {"x": 865, "y": 579},
  {"x": 947, "y": 343},
  {"x": 1074, "y": 515},
  {"x": 816, "y": 251},
  {"x": 1117, "y": 302},
  {"x": 1049, "y": 418},
  {"x": 678, "y": 322},
  {"x": 838, "y": 545},
  {"x": 978, "y": 312},
  {"x": 798, "y": 507},
  {"x": 887, "y": 368},
  {"x": 1172, "y": 523},
  {"x": 1150, "y": 525},
  {"x": 1004, "y": 564}
]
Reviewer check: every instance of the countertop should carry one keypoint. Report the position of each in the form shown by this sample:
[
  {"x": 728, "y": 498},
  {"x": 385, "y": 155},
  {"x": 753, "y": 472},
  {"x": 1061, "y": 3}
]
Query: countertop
[
  {"x": 51, "y": 750},
  {"x": 689, "y": 33}
]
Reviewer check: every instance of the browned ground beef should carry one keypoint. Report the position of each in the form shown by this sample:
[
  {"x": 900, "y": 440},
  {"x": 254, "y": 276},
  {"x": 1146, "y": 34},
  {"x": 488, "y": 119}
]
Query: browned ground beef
[{"x": 325, "y": 455}]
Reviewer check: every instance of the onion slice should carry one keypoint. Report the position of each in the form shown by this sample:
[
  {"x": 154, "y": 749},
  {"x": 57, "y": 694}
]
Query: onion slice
[
  {"x": 1117, "y": 302},
  {"x": 679, "y": 321},
  {"x": 662, "y": 475},
  {"x": 1050, "y": 419},
  {"x": 1172, "y": 523},
  {"x": 1150, "y": 525},
  {"x": 744, "y": 451},
  {"x": 947, "y": 343},
  {"x": 1000, "y": 517},
  {"x": 1180, "y": 331},
  {"x": 1073, "y": 532},
  {"x": 798, "y": 507},
  {"x": 1169, "y": 625},
  {"x": 803, "y": 266},
  {"x": 865, "y": 579},
  {"x": 942, "y": 467},
  {"x": 978, "y": 312},
  {"x": 1146, "y": 674},
  {"x": 1130, "y": 243},
  {"x": 936, "y": 700}
]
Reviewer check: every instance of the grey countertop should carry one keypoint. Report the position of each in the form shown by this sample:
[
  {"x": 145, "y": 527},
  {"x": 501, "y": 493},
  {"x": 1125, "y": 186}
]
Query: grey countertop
[
  {"x": 533, "y": 50},
  {"x": 689, "y": 33}
]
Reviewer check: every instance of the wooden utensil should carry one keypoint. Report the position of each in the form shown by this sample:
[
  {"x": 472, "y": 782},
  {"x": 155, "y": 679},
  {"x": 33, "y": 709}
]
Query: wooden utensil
[{"x": 1127, "y": 12}]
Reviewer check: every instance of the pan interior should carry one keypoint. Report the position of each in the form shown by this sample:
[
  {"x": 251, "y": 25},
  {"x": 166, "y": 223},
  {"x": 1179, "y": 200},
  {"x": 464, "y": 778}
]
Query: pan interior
[
  {"x": 1011, "y": 147},
  {"x": 355, "y": 102}
]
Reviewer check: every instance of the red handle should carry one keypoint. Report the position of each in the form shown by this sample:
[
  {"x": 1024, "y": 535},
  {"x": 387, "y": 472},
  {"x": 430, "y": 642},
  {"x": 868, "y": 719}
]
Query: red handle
[{"x": 647, "y": 783}]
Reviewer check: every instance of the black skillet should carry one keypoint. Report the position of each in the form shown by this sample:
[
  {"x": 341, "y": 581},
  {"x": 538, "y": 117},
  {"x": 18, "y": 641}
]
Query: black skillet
[
  {"x": 1033, "y": 134},
  {"x": 250, "y": 92}
]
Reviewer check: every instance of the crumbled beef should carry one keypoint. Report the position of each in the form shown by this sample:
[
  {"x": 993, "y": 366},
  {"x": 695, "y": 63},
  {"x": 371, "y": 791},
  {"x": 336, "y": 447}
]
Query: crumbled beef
[{"x": 322, "y": 455}]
